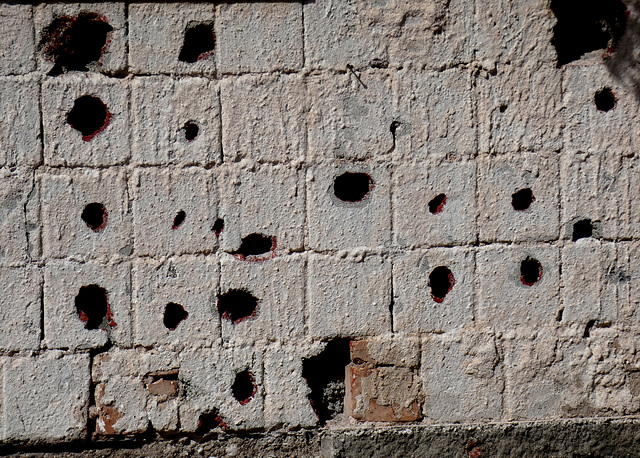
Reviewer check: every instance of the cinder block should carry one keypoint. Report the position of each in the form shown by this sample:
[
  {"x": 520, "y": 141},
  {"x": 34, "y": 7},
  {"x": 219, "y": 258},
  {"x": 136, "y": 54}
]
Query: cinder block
[
  {"x": 267, "y": 200},
  {"x": 520, "y": 108},
  {"x": 102, "y": 119},
  {"x": 174, "y": 211},
  {"x": 431, "y": 33},
  {"x": 519, "y": 286},
  {"x": 519, "y": 198},
  {"x": 20, "y": 290},
  {"x": 278, "y": 284},
  {"x": 433, "y": 290},
  {"x": 546, "y": 378},
  {"x": 434, "y": 204},
  {"x": 462, "y": 377},
  {"x": 349, "y": 206},
  {"x": 187, "y": 282},
  {"x": 86, "y": 214},
  {"x": 260, "y": 37},
  {"x": 264, "y": 117},
  {"x": 286, "y": 399},
  {"x": 20, "y": 124},
  {"x": 45, "y": 398},
  {"x": 17, "y": 48},
  {"x": 589, "y": 129},
  {"x": 175, "y": 121},
  {"x": 590, "y": 283},
  {"x": 211, "y": 376},
  {"x": 436, "y": 115},
  {"x": 513, "y": 31},
  {"x": 351, "y": 115},
  {"x": 79, "y": 318},
  {"x": 113, "y": 57},
  {"x": 157, "y": 38},
  {"x": 348, "y": 297},
  {"x": 19, "y": 224}
]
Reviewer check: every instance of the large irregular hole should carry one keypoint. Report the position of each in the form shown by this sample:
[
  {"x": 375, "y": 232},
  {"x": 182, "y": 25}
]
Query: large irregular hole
[
  {"x": 587, "y": 25},
  {"x": 441, "y": 281},
  {"x": 89, "y": 116},
  {"x": 191, "y": 131},
  {"x": 255, "y": 245},
  {"x": 522, "y": 199},
  {"x": 436, "y": 205},
  {"x": 218, "y": 227},
  {"x": 582, "y": 229},
  {"x": 244, "y": 387},
  {"x": 95, "y": 216},
  {"x": 178, "y": 220},
  {"x": 92, "y": 305},
  {"x": 174, "y": 314},
  {"x": 199, "y": 40},
  {"x": 208, "y": 421},
  {"x": 352, "y": 187},
  {"x": 324, "y": 374},
  {"x": 605, "y": 99},
  {"x": 530, "y": 271},
  {"x": 73, "y": 43},
  {"x": 237, "y": 305}
]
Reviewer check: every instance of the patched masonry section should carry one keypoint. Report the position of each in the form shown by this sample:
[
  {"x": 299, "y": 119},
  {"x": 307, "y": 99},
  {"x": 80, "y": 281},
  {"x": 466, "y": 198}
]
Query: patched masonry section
[{"x": 261, "y": 216}]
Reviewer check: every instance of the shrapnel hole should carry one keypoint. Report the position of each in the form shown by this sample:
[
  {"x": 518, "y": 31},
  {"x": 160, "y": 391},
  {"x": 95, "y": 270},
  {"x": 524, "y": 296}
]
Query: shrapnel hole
[
  {"x": 174, "y": 314},
  {"x": 199, "y": 40},
  {"x": 89, "y": 116},
  {"x": 244, "y": 387},
  {"x": 95, "y": 216},
  {"x": 441, "y": 281},
  {"x": 178, "y": 220},
  {"x": 530, "y": 271},
  {"x": 522, "y": 199},
  {"x": 218, "y": 227},
  {"x": 208, "y": 421},
  {"x": 582, "y": 229},
  {"x": 237, "y": 305},
  {"x": 352, "y": 186},
  {"x": 605, "y": 99},
  {"x": 92, "y": 306},
  {"x": 254, "y": 245},
  {"x": 436, "y": 205},
  {"x": 191, "y": 131}
]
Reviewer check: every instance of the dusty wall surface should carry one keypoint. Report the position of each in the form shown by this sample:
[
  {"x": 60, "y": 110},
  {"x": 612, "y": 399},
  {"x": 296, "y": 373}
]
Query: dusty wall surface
[{"x": 252, "y": 217}]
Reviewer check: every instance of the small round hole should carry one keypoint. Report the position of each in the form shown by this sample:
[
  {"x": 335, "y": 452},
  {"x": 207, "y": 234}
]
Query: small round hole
[
  {"x": 436, "y": 205},
  {"x": 605, "y": 99},
  {"x": 237, "y": 305},
  {"x": 530, "y": 271},
  {"x": 191, "y": 131},
  {"x": 178, "y": 220},
  {"x": 218, "y": 227},
  {"x": 441, "y": 281},
  {"x": 92, "y": 306},
  {"x": 95, "y": 216},
  {"x": 522, "y": 199},
  {"x": 89, "y": 116},
  {"x": 503, "y": 108},
  {"x": 244, "y": 387},
  {"x": 352, "y": 187},
  {"x": 174, "y": 314},
  {"x": 582, "y": 229}
]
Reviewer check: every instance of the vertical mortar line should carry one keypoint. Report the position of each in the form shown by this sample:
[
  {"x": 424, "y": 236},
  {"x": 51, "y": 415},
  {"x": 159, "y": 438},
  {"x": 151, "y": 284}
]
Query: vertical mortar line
[
  {"x": 391, "y": 234},
  {"x": 220, "y": 130},
  {"x": 304, "y": 49},
  {"x": 561, "y": 223},
  {"x": 473, "y": 100}
]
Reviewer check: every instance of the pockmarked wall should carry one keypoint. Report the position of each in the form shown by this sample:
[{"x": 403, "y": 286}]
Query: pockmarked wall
[{"x": 265, "y": 216}]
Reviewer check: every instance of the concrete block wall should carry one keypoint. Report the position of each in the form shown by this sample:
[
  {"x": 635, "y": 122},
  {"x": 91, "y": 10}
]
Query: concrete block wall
[{"x": 254, "y": 216}]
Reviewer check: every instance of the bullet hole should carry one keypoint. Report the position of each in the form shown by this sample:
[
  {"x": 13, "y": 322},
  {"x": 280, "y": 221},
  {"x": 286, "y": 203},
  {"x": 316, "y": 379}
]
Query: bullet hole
[
  {"x": 73, "y": 43},
  {"x": 208, "y": 421},
  {"x": 441, "y": 281},
  {"x": 244, "y": 387},
  {"x": 173, "y": 315},
  {"x": 582, "y": 229},
  {"x": 89, "y": 116},
  {"x": 92, "y": 305},
  {"x": 237, "y": 305},
  {"x": 254, "y": 245},
  {"x": 530, "y": 271},
  {"x": 594, "y": 324},
  {"x": 587, "y": 25},
  {"x": 352, "y": 187},
  {"x": 436, "y": 205},
  {"x": 218, "y": 227},
  {"x": 199, "y": 40},
  {"x": 95, "y": 216},
  {"x": 503, "y": 108},
  {"x": 325, "y": 374},
  {"x": 191, "y": 130},
  {"x": 178, "y": 220},
  {"x": 522, "y": 199},
  {"x": 605, "y": 99}
]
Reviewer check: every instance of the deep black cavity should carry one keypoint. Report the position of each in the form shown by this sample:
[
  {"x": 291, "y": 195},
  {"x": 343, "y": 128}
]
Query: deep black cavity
[
  {"x": 436, "y": 205},
  {"x": 582, "y": 229},
  {"x": 72, "y": 43},
  {"x": 441, "y": 281},
  {"x": 198, "y": 40},
  {"x": 208, "y": 421},
  {"x": 325, "y": 374},
  {"x": 587, "y": 25},
  {"x": 522, "y": 199},
  {"x": 173, "y": 315},
  {"x": 95, "y": 216},
  {"x": 244, "y": 387},
  {"x": 530, "y": 271},
  {"x": 352, "y": 187},
  {"x": 255, "y": 244},
  {"x": 89, "y": 116},
  {"x": 237, "y": 305},
  {"x": 218, "y": 227},
  {"x": 191, "y": 130},
  {"x": 605, "y": 99},
  {"x": 92, "y": 305},
  {"x": 179, "y": 219}
]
